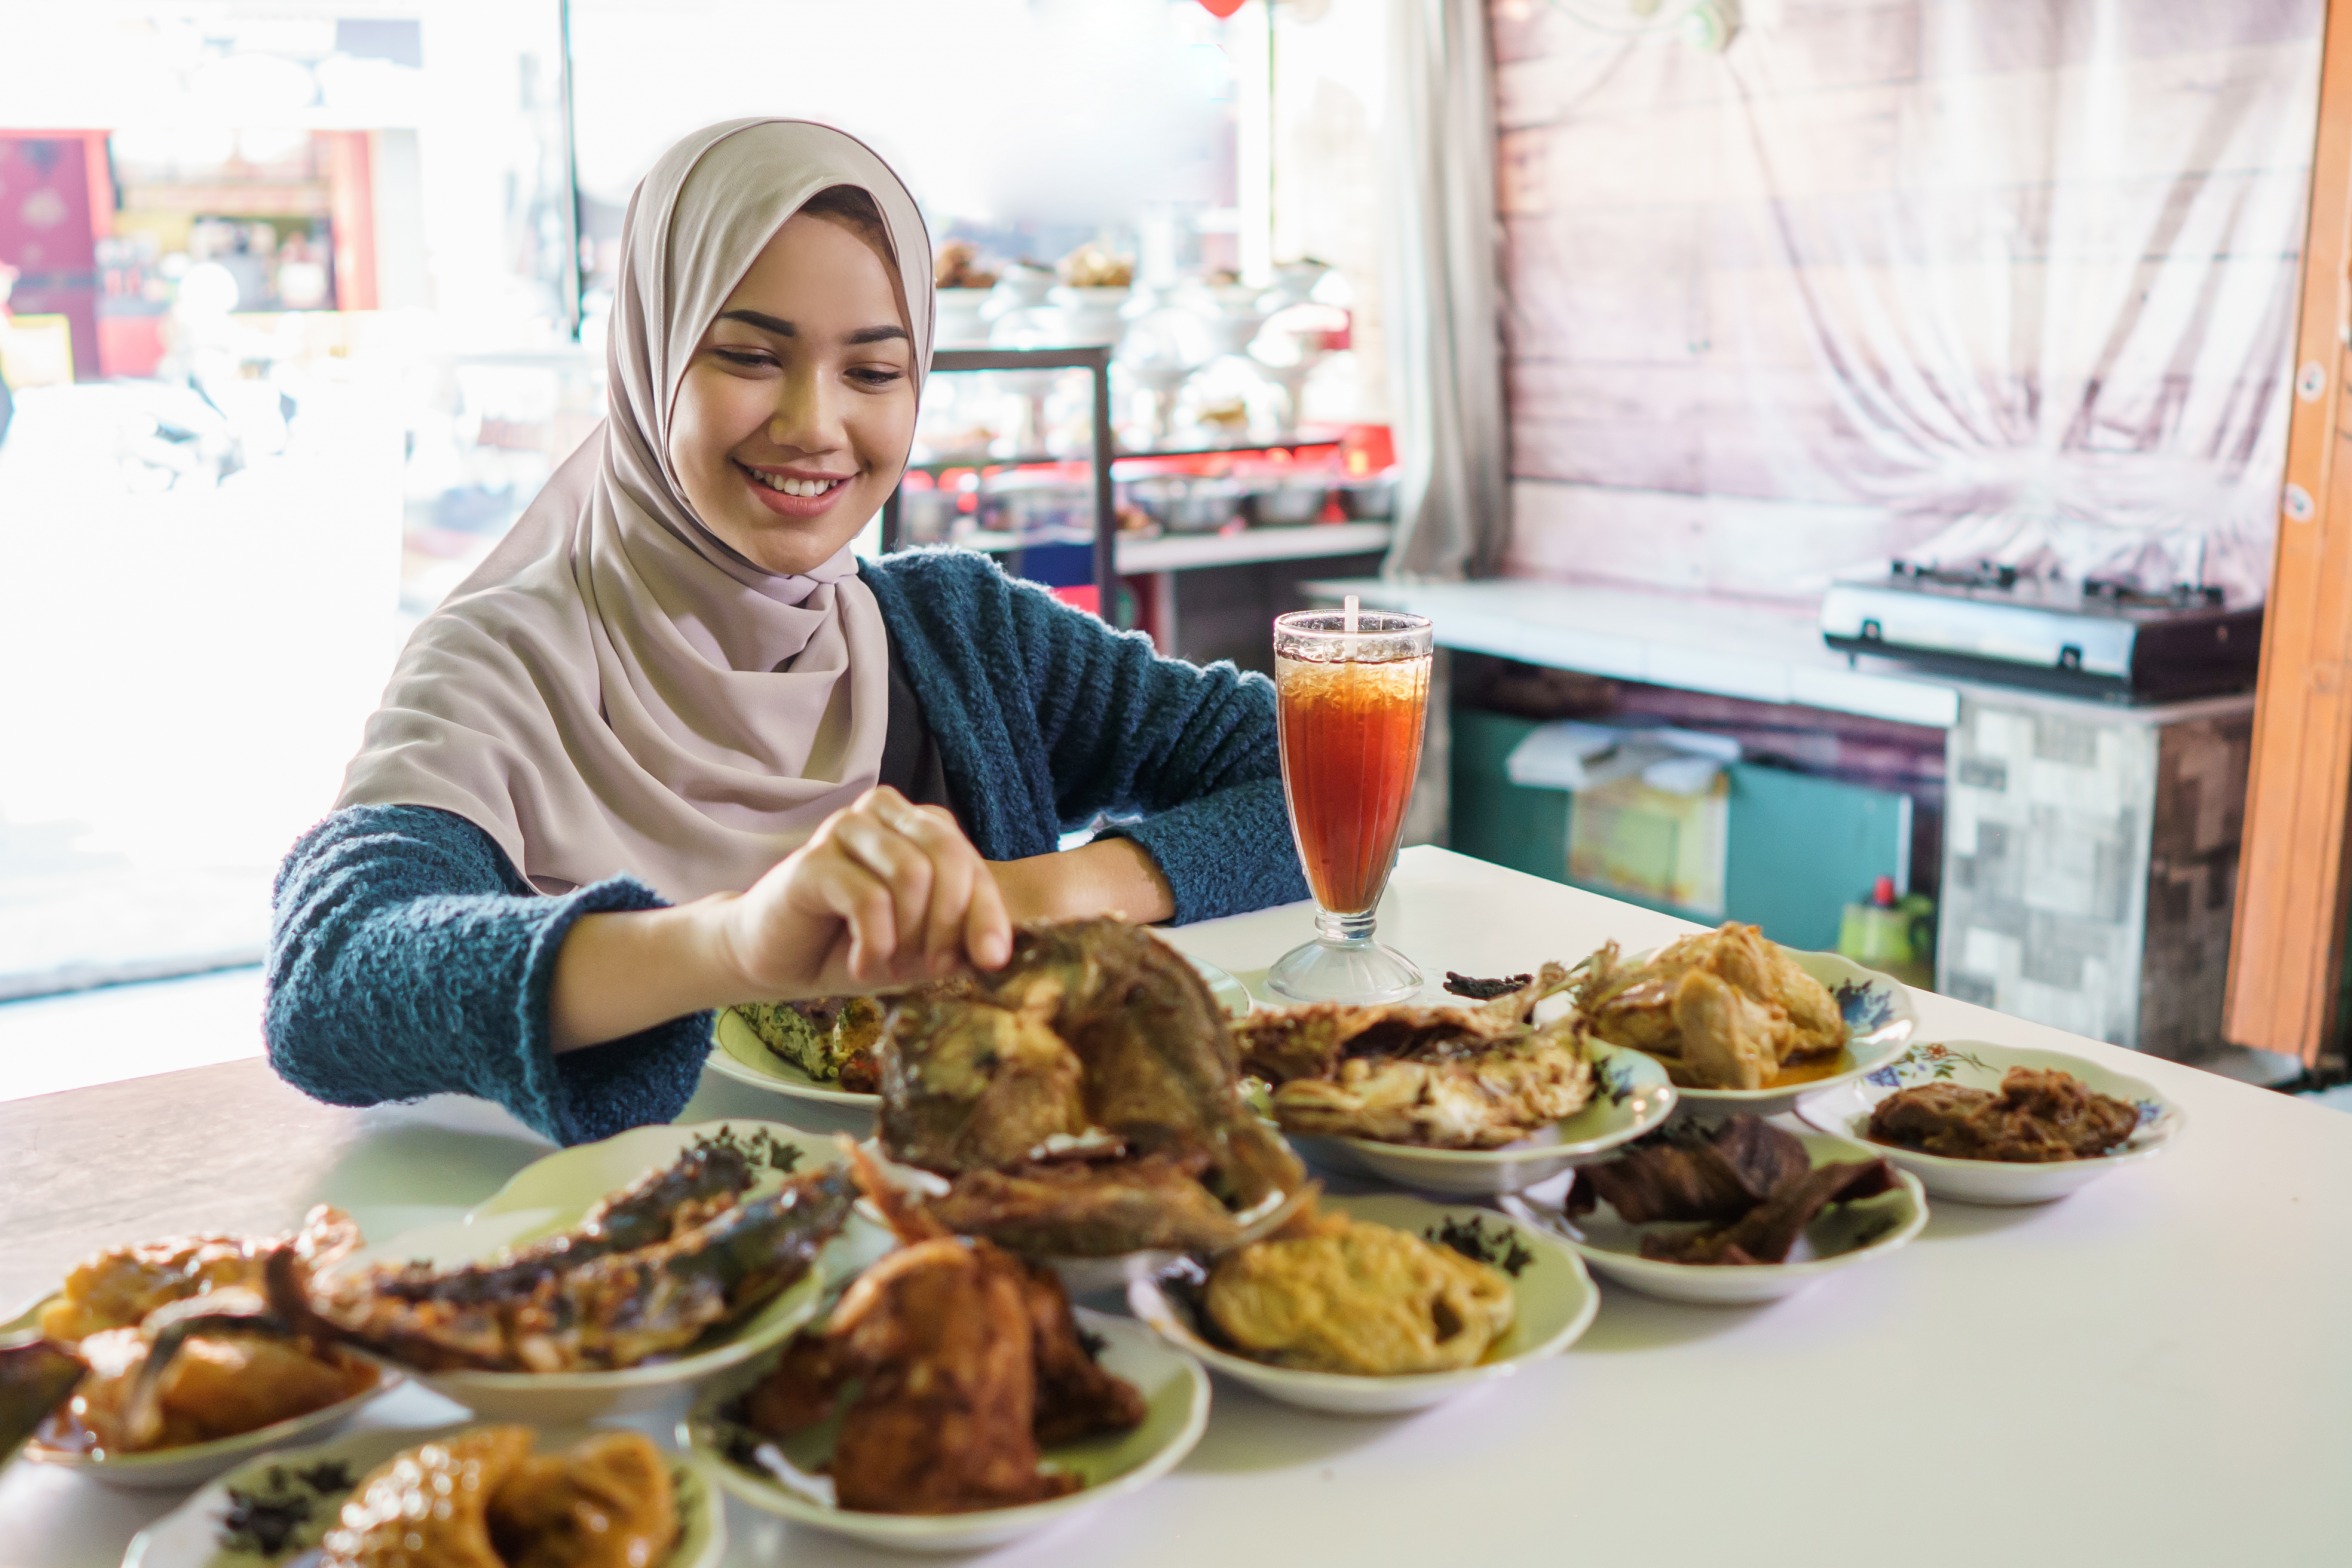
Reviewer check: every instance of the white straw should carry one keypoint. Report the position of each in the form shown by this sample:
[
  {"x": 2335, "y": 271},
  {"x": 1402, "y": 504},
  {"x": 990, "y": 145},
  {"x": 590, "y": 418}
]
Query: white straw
[
  {"x": 1351, "y": 615},
  {"x": 1347, "y": 648}
]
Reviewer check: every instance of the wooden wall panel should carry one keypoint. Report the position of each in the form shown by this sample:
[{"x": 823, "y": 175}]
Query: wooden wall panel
[
  {"x": 2287, "y": 945},
  {"x": 1714, "y": 275}
]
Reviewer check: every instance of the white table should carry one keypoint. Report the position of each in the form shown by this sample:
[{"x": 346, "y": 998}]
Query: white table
[{"x": 2156, "y": 1371}]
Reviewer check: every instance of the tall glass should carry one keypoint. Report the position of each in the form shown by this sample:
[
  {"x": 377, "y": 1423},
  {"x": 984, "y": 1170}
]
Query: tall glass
[{"x": 1352, "y": 706}]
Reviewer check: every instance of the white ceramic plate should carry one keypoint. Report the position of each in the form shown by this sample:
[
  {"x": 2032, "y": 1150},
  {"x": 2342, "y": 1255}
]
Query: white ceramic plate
[
  {"x": 1841, "y": 1236},
  {"x": 314, "y": 1481},
  {"x": 1879, "y": 1019},
  {"x": 1556, "y": 1303},
  {"x": 195, "y": 1462},
  {"x": 1630, "y": 1097},
  {"x": 552, "y": 1195},
  {"x": 1979, "y": 1064},
  {"x": 1174, "y": 1388},
  {"x": 737, "y": 1053}
]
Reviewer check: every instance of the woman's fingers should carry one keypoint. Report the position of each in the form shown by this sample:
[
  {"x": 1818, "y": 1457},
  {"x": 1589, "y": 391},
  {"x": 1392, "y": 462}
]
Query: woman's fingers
[
  {"x": 876, "y": 841},
  {"x": 988, "y": 927}
]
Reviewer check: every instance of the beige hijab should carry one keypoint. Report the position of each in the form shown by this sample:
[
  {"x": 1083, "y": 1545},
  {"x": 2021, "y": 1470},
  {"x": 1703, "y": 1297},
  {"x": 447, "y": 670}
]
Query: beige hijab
[{"x": 614, "y": 690}]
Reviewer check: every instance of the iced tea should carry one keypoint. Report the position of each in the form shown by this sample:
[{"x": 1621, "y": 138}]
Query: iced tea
[{"x": 1351, "y": 746}]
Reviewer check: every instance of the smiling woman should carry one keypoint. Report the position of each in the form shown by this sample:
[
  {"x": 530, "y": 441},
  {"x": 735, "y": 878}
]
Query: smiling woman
[
  {"x": 794, "y": 420},
  {"x": 673, "y": 747}
]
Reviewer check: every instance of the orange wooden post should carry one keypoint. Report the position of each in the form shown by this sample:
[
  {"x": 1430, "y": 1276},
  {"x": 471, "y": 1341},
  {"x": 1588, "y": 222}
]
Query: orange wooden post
[{"x": 2287, "y": 947}]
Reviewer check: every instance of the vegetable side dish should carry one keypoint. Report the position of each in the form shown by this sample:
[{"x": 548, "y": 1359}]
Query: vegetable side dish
[{"x": 831, "y": 1038}]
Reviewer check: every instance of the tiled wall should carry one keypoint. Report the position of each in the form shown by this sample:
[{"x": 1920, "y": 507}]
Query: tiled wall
[
  {"x": 2091, "y": 866},
  {"x": 1785, "y": 309}
]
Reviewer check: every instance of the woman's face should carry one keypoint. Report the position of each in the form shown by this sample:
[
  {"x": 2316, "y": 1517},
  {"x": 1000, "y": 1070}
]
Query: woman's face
[{"x": 794, "y": 419}]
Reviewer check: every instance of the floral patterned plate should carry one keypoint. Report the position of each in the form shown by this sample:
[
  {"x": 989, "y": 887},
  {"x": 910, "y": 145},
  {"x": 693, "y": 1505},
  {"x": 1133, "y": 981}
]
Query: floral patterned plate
[
  {"x": 1978, "y": 1064},
  {"x": 1879, "y": 1023}
]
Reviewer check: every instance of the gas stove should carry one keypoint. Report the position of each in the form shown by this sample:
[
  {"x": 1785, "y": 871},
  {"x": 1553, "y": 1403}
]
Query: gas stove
[{"x": 2091, "y": 638}]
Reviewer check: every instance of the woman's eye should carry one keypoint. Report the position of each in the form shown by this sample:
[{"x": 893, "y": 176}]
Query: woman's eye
[
  {"x": 743, "y": 356},
  {"x": 874, "y": 376}
]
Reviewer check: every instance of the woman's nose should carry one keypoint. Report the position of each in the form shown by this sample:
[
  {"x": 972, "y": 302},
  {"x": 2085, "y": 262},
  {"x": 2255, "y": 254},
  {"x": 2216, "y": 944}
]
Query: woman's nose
[{"x": 807, "y": 416}]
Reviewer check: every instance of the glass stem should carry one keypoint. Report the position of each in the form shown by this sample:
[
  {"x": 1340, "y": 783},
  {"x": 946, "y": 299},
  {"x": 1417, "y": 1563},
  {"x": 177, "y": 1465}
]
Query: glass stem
[{"x": 1343, "y": 930}]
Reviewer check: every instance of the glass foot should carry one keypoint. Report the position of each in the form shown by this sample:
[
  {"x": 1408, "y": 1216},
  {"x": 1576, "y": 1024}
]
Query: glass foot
[{"x": 1361, "y": 972}]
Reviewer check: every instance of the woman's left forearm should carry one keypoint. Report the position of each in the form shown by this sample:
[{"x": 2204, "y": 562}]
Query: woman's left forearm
[{"x": 1111, "y": 876}]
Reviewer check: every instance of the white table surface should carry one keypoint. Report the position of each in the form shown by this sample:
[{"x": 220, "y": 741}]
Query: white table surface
[{"x": 2155, "y": 1371}]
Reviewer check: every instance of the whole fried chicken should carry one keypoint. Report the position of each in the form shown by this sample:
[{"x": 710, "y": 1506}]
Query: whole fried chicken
[
  {"x": 1723, "y": 1009},
  {"x": 1436, "y": 1077},
  {"x": 1095, "y": 1030}
]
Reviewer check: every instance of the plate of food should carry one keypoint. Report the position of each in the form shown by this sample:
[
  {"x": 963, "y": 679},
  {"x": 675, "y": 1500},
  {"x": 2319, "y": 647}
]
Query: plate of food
[
  {"x": 162, "y": 1365},
  {"x": 1375, "y": 1305},
  {"x": 822, "y": 1052},
  {"x": 459, "y": 1495},
  {"x": 953, "y": 1400},
  {"x": 1742, "y": 1023},
  {"x": 1732, "y": 1212},
  {"x": 1985, "y": 1123},
  {"x": 604, "y": 1277},
  {"x": 1082, "y": 1104},
  {"x": 1465, "y": 1101}
]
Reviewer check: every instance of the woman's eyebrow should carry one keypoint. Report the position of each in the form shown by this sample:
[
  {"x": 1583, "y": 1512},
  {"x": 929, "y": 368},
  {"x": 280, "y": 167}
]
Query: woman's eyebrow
[
  {"x": 762, "y": 320},
  {"x": 877, "y": 334}
]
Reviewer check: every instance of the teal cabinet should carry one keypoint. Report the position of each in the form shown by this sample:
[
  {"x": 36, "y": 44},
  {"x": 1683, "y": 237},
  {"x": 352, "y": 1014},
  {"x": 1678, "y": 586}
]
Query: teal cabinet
[{"x": 1798, "y": 849}]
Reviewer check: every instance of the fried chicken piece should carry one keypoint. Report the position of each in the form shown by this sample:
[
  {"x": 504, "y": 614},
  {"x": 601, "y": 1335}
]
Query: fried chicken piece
[
  {"x": 117, "y": 1288},
  {"x": 967, "y": 1085},
  {"x": 429, "y": 1504},
  {"x": 1728, "y": 1039},
  {"x": 1766, "y": 1232},
  {"x": 1091, "y": 1209},
  {"x": 2038, "y": 1116},
  {"x": 1722, "y": 1009},
  {"x": 1344, "y": 1295},
  {"x": 965, "y": 1359},
  {"x": 607, "y": 1503},
  {"x": 1161, "y": 1067},
  {"x": 217, "y": 1384},
  {"x": 1076, "y": 1397}
]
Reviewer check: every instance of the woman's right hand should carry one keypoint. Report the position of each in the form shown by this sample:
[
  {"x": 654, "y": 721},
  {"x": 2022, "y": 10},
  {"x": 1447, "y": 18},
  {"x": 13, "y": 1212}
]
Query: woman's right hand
[{"x": 886, "y": 893}]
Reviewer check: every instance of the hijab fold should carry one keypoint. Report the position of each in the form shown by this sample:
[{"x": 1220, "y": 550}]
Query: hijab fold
[{"x": 615, "y": 690}]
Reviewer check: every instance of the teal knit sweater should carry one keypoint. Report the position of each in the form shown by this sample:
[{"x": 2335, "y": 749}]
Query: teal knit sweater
[{"x": 409, "y": 957}]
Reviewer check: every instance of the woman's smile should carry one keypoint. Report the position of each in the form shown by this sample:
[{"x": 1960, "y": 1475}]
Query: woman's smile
[{"x": 794, "y": 492}]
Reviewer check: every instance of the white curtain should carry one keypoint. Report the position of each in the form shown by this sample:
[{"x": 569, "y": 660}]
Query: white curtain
[{"x": 1443, "y": 295}]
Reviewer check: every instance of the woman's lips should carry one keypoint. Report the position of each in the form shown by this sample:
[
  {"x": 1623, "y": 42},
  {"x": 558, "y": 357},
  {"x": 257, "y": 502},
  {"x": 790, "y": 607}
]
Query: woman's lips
[{"x": 784, "y": 505}]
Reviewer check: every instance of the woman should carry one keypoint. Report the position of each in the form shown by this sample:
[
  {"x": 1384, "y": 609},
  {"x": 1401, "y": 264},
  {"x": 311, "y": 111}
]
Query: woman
[{"x": 672, "y": 747}]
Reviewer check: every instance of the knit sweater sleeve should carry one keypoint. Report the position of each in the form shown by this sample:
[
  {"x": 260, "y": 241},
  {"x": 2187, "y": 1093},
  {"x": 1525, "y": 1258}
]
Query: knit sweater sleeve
[
  {"x": 407, "y": 957},
  {"x": 1191, "y": 751}
]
